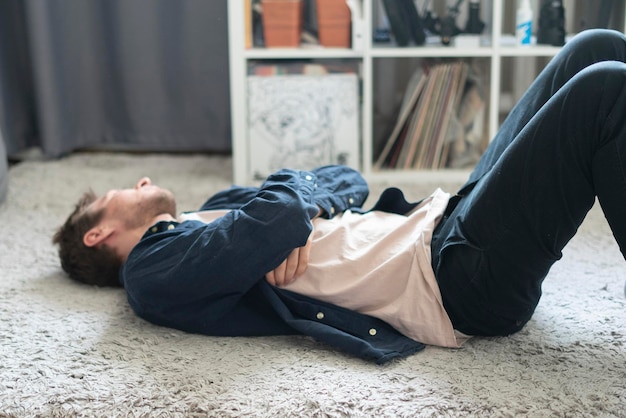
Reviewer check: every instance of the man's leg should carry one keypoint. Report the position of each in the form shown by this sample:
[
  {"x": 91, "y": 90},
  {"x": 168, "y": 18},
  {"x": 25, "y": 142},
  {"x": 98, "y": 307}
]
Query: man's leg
[
  {"x": 583, "y": 50},
  {"x": 493, "y": 252}
]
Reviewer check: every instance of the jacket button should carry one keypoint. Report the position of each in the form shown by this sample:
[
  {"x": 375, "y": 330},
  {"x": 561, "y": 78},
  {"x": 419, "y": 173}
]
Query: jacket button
[
  {"x": 332, "y": 210},
  {"x": 320, "y": 315},
  {"x": 351, "y": 201},
  {"x": 308, "y": 177},
  {"x": 372, "y": 331},
  {"x": 170, "y": 227}
]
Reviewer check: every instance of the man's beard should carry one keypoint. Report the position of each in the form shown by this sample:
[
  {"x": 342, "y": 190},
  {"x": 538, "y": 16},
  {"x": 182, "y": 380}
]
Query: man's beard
[{"x": 160, "y": 203}]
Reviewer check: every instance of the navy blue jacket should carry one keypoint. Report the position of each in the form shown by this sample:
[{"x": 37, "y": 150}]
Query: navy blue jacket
[{"x": 209, "y": 278}]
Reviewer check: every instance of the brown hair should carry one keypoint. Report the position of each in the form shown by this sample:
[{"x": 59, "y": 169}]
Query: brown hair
[{"x": 91, "y": 265}]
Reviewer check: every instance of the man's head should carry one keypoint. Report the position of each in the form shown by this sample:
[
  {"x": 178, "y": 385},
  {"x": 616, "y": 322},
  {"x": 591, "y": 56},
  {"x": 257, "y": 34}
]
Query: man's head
[{"x": 99, "y": 234}]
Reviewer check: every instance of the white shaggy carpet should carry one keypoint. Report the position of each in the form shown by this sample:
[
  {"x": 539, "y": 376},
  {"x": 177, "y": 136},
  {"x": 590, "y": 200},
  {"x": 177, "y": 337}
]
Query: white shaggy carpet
[{"x": 71, "y": 350}]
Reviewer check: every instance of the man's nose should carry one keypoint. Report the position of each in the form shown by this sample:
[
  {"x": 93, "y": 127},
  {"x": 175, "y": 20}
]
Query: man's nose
[{"x": 145, "y": 181}]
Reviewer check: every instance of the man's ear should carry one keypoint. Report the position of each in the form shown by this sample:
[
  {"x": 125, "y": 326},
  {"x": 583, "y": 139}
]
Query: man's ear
[{"x": 97, "y": 235}]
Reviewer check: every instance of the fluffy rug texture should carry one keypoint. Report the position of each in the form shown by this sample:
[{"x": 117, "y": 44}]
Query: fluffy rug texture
[{"x": 68, "y": 349}]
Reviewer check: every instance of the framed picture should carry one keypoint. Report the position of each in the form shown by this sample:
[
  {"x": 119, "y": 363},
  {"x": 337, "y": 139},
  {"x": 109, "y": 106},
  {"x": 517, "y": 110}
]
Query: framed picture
[{"x": 302, "y": 122}]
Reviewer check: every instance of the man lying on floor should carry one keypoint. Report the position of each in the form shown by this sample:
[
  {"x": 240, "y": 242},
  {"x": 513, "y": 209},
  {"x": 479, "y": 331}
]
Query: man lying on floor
[{"x": 299, "y": 255}]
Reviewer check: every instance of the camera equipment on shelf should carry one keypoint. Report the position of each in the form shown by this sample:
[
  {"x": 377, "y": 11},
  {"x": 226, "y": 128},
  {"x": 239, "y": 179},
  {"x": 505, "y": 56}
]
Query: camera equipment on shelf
[{"x": 551, "y": 29}]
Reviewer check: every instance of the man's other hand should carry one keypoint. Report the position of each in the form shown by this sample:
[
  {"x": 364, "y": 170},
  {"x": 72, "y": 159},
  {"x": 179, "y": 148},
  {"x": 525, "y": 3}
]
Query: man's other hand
[{"x": 294, "y": 265}]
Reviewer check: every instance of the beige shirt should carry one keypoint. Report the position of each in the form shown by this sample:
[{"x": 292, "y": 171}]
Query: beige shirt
[{"x": 378, "y": 264}]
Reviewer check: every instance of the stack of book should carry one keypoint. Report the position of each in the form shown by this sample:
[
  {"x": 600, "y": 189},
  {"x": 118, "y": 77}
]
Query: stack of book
[{"x": 420, "y": 137}]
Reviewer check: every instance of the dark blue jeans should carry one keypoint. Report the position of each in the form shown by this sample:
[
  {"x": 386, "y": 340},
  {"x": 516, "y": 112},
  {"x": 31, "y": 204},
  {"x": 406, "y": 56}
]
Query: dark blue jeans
[{"x": 563, "y": 145}]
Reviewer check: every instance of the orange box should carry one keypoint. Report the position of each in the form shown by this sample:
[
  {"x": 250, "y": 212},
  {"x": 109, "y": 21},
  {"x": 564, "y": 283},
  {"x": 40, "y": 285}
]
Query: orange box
[{"x": 282, "y": 22}]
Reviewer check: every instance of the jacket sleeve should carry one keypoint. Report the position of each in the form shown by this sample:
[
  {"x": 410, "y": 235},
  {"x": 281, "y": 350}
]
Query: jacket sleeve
[
  {"x": 173, "y": 272},
  {"x": 232, "y": 198},
  {"x": 339, "y": 188},
  {"x": 336, "y": 189}
]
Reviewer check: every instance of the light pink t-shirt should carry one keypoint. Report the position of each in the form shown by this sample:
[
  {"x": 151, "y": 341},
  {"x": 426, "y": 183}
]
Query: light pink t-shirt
[{"x": 378, "y": 264}]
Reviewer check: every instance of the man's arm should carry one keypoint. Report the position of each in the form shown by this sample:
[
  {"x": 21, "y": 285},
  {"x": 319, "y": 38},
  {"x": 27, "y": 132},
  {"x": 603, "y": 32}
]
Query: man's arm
[
  {"x": 232, "y": 198},
  {"x": 339, "y": 188}
]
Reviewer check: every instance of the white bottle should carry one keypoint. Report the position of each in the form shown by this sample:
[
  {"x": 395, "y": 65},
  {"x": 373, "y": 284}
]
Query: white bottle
[{"x": 524, "y": 23}]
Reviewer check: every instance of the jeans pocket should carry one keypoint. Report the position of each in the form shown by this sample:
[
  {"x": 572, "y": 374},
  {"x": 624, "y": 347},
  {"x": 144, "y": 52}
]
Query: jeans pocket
[{"x": 477, "y": 302}]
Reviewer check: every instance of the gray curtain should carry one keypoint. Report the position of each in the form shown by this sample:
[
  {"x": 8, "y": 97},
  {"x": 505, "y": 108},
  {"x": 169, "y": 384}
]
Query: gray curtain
[
  {"x": 4, "y": 180},
  {"x": 124, "y": 74}
]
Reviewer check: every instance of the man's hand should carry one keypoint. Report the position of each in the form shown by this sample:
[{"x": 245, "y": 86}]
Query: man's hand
[{"x": 294, "y": 265}]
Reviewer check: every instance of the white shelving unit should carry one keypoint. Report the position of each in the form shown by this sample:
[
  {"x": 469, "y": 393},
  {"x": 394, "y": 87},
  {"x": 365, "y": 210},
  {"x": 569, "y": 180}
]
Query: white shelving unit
[{"x": 495, "y": 51}]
